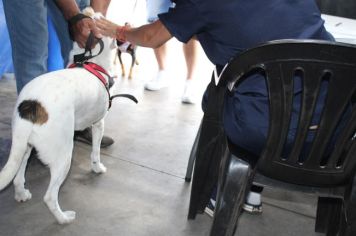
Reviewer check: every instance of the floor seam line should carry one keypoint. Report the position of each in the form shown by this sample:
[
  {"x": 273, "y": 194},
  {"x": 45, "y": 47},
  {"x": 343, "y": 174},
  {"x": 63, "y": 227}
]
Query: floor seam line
[
  {"x": 295, "y": 212},
  {"x": 144, "y": 166}
]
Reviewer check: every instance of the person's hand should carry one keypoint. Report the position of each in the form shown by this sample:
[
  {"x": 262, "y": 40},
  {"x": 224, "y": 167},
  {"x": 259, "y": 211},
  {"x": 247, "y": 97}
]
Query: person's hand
[
  {"x": 81, "y": 30},
  {"x": 107, "y": 27}
]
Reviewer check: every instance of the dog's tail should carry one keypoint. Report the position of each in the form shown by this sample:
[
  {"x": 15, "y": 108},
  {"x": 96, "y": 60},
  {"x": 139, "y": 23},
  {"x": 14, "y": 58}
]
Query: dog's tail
[{"x": 20, "y": 135}]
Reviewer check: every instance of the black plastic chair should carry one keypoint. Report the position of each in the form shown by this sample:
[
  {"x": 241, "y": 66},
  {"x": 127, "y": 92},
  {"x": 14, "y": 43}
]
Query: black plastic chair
[{"x": 331, "y": 176}]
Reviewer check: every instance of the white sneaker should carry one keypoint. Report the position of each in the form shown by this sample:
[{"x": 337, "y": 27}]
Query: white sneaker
[
  {"x": 189, "y": 95},
  {"x": 253, "y": 203},
  {"x": 210, "y": 208},
  {"x": 158, "y": 82},
  {"x": 252, "y": 209}
]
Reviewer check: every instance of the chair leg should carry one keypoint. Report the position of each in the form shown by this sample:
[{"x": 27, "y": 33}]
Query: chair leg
[
  {"x": 329, "y": 215},
  {"x": 233, "y": 183},
  {"x": 349, "y": 228},
  {"x": 193, "y": 152}
]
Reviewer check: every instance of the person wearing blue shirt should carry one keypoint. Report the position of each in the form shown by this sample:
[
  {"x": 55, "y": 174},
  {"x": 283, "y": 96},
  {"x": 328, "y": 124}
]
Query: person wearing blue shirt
[{"x": 225, "y": 28}]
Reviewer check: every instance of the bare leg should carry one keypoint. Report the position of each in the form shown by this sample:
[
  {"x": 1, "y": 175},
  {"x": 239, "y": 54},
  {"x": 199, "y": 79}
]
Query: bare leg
[
  {"x": 190, "y": 50},
  {"x": 160, "y": 80},
  {"x": 22, "y": 194},
  {"x": 98, "y": 131},
  {"x": 161, "y": 55}
]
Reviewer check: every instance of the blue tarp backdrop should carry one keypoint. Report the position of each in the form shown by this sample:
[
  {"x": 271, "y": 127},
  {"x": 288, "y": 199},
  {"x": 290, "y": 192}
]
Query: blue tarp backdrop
[
  {"x": 5, "y": 46},
  {"x": 55, "y": 61}
]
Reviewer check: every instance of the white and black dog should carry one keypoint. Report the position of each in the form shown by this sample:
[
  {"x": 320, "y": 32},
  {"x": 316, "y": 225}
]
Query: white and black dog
[{"x": 48, "y": 111}]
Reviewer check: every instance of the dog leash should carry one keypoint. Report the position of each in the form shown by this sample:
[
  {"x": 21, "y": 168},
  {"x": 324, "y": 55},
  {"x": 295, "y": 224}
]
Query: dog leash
[{"x": 87, "y": 55}]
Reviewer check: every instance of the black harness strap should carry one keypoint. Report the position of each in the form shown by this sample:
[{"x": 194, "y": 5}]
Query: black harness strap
[{"x": 129, "y": 96}]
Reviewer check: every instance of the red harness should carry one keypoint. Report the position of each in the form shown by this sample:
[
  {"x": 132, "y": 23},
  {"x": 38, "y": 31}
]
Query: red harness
[
  {"x": 81, "y": 61},
  {"x": 95, "y": 69}
]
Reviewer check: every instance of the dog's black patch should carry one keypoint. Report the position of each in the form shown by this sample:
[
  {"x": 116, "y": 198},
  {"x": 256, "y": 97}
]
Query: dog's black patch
[{"x": 33, "y": 111}]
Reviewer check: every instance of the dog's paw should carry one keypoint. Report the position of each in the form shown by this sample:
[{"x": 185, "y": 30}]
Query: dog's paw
[
  {"x": 98, "y": 168},
  {"x": 22, "y": 196},
  {"x": 67, "y": 217}
]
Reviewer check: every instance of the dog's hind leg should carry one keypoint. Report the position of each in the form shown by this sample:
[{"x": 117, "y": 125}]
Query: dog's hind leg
[
  {"x": 21, "y": 193},
  {"x": 97, "y": 131},
  {"x": 59, "y": 168}
]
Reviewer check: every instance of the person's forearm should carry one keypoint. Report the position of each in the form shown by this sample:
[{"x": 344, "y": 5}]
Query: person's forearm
[
  {"x": 69, "y": 8},
  {"x": 100, "y": 6},
  {"x": 152, "y": 35}
]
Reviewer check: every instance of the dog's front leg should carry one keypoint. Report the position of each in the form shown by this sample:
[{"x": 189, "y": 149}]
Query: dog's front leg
[
  {"x": 98, "y": 131},
  {"x": 121, "y": 63}
]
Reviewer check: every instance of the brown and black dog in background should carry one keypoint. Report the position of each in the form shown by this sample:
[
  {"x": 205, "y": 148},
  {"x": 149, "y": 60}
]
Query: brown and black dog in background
[{"x": 130, "y": 49}]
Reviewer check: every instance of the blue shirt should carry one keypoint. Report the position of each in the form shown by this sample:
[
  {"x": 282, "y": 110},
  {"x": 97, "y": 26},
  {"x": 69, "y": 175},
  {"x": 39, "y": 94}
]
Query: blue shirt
[{"x": 226, "y": 28}]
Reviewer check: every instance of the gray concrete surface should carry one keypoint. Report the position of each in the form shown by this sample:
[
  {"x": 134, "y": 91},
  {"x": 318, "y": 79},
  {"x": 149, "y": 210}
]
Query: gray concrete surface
[{"x": 143, "y": 191}]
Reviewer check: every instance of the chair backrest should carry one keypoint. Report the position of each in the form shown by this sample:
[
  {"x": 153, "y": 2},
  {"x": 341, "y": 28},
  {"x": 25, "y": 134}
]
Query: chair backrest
[{"x": 316, "y": 61}]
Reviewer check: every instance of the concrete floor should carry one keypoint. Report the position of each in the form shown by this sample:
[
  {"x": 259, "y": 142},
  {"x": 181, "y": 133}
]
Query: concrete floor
[{"x": 143, "y": 191}]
